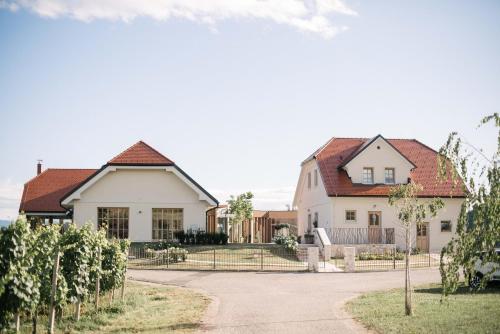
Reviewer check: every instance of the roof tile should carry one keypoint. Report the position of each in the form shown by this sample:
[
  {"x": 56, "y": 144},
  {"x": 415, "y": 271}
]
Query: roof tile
[{"x": 338, "y": 183}]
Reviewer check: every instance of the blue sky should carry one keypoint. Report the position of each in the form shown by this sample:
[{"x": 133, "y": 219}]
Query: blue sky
[{"x": 237, "y": 95}]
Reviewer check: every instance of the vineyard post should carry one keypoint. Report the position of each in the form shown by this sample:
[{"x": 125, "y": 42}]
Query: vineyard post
[
  {"x": 77, "y": 309},
  {"x": 123, "y": 285},
  {"x": 52, "y": 314},
  {"x": 98, "y": 279},
  {"x": 18, "y": 322}
]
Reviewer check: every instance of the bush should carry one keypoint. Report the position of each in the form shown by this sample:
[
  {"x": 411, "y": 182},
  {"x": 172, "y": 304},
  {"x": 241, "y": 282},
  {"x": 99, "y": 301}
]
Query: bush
[
  {"x": 200, "y": 237},
  {"x": 170, "y": 254},
  {"x": 289, "y": 242},
  {"x": 385, "y": 256}
]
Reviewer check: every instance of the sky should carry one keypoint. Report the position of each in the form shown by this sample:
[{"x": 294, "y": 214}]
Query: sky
[{"x": 237, "y": 92}]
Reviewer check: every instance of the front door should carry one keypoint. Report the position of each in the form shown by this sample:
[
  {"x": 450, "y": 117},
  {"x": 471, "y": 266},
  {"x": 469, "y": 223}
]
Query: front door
[
  {"x": 423, "y": 237},
  {"x": 374, "y": 227}
]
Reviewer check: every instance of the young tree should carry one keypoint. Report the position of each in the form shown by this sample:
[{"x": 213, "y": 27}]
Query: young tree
[
  {"x": 412, "y": 211},
  {"x": 478, "y": 226},
  {"x": 241, "y": 208}
]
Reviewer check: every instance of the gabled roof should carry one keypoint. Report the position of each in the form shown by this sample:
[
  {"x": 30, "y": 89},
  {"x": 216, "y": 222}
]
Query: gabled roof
[
  {"x": 44, "y": 192},
  {"x": 337, "y": 183},
  {"x": 141, "y": 154},
  {"x": 366, "y": 144}
]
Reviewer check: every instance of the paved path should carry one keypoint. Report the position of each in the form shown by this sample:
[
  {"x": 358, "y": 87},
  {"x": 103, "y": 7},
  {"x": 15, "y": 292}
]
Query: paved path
[{"x": 253, "y": 302}]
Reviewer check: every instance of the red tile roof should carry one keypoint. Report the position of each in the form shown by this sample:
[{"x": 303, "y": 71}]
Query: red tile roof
[
  {"x": 44, "y": 192},
  {"x": 338, "y": 183},
  {"x": 140, "y": 154}
]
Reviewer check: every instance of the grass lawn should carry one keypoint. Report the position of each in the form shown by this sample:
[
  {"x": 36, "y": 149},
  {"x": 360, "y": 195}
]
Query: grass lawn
[
  {"x": 226, "y": 258},
  {"x": 146, "y": 309},
  {"x": 462, "y": 312}
]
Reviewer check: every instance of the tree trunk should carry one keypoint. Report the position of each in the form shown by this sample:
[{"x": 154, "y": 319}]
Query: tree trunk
[{"x": 408, "y": 310}]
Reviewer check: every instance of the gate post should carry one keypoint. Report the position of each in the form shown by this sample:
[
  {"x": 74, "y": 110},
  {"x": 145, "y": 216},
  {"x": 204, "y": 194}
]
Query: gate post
[
  {"x": 349, "y": 259},
  {"x": 313, "y": 258}
]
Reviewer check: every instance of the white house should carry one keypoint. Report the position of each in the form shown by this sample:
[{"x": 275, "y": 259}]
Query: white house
[
  {"x": 140, "y": 194},
  {"x": 344, "y": 186}
]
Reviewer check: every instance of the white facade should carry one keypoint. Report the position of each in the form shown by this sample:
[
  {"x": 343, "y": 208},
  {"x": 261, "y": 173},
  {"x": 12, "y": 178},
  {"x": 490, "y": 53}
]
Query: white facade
[
  {"x": 141, "y": 189},
  {"x": 312, "y": 200},
  {"x": 379, "y": 155}
]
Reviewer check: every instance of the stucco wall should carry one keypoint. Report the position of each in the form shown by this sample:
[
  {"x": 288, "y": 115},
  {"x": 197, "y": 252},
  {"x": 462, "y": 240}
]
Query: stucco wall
[
  {"x": 379, "y": 159},
  {"x": 362, "y": 205},
  {"x": 141, "y": 191},
  {"x": 312, "y": 200}
]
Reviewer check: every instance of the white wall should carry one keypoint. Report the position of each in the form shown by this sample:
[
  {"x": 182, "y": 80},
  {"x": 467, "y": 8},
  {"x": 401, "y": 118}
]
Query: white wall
[
  {"x": 379, "y": 159},
  {"x": 141, "y": 191},
  {"x": 362, "y": 205},
  {"x": 309, "y": 201}
]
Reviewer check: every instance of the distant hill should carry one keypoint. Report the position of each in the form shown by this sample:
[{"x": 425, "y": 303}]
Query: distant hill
[{"x": 4, "y": 223}]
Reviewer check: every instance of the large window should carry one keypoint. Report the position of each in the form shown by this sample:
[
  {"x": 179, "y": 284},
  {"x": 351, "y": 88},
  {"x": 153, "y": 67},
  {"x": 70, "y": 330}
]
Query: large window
[
  {"x": 389, "y": 176},
  {"x": 315, "y": 177},
  {"x": 309, "y": 180},
  {"x": 114, "y": 220},
  {"x": 166, "y": 222},
  {"x": 367, "y": 175}
]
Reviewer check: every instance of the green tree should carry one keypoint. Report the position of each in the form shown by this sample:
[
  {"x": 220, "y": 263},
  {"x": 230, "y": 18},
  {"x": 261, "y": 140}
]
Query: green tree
[
  {"x": 412, "y": 211},
  {"x": 478, "y": 225},
  {"x": 241, "y": 208}
]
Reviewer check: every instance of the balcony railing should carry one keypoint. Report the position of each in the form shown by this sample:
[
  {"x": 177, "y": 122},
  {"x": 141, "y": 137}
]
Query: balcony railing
[{"x": 361, "y": 235}]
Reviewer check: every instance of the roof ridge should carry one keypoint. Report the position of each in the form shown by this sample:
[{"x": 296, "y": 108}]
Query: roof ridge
[{"x": 138, "y": 146}]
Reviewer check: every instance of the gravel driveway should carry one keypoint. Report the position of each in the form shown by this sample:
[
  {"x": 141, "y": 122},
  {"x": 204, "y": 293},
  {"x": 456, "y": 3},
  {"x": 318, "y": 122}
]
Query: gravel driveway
[{"x": 256, "y": 302}]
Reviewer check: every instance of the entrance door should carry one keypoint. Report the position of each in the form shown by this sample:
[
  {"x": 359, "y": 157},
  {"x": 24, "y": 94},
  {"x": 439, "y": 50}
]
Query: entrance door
[
  {"x": 423, "y": 237},
  {"x": 374, "y": 227}
]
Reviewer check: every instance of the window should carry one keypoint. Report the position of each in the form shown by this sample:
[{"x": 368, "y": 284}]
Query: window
[
  {"x": 389, "y": 176},
  {"x": 309, "y": 180},
  {"x": 445, "y": 226},
  {"x": 114, "y": 220},
  {"x": 368, "y": 175},
  {"x": 316, "y": 219},
  {"x": 166, "y": 222},
  {"x": 350, "y": 216},
  {"x": 309, "y": 223},
  {"x": 315, "y": 177}
]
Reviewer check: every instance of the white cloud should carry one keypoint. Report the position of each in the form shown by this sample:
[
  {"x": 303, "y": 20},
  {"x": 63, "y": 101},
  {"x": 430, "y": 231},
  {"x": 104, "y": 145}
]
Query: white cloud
[
  {"x": 305, "y": 15},
  {"x": 264, "y": 199},
  {"x": 10, "y": 197}
]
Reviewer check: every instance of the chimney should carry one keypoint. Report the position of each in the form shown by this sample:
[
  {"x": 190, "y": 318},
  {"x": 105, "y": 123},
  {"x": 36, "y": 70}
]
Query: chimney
[{"x": 39, "y": 167}]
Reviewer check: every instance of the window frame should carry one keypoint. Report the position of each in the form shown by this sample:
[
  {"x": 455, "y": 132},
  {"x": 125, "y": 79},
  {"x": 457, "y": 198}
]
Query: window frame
[
  {"x": 393, "y": 175},
  {"x": 163, "y": 226},
  {"x": 449, "y": 224},
  {"x": 351, "y": 221},
  {"x": 119, "y": 226},
  {"x": 372, "y": 175}
]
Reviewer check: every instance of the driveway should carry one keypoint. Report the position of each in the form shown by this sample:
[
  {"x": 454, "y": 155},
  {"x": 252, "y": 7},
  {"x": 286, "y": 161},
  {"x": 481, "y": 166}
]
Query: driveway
[{"x": 256, "y": 302}]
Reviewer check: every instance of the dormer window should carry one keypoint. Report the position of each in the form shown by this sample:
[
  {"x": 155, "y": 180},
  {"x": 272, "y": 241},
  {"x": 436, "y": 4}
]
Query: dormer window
[
  {"x": 368, "y": 175},
  {"x": 389, "y": 176}
]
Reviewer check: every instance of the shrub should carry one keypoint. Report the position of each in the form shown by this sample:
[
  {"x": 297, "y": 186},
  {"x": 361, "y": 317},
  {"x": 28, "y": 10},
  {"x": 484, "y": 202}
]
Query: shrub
[
  {"x": 289, "y": 242},
  {"x": 170, "y": 254},
  {"x": 200, "y": 237}
]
